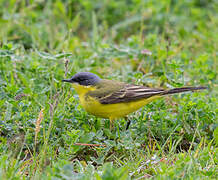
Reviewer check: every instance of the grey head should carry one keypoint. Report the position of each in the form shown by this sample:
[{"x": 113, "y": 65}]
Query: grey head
[{"x": 84, "y": 78}]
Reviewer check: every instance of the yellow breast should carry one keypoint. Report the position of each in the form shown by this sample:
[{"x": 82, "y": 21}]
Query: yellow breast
[{"x": 92, "y": 106}]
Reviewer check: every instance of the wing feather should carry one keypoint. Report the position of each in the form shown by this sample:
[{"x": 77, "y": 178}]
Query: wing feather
[{"x": 130, "y": 93}]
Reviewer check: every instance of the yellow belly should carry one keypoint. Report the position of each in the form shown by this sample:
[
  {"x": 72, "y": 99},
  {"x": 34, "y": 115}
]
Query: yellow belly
[{"x": 113, "y": 110}]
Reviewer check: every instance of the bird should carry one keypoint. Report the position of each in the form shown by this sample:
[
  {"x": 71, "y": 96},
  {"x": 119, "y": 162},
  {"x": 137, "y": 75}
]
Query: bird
[{"x": 112, "y": 99}]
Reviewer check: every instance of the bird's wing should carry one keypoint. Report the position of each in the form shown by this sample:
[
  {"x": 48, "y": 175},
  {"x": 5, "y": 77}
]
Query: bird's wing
[
  {"x": 130, "y": 93},
  {"x": 117, "y": 93}
]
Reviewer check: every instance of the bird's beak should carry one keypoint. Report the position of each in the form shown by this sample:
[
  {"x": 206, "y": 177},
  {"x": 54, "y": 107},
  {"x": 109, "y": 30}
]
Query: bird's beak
[{"x": 68, "y": 80}]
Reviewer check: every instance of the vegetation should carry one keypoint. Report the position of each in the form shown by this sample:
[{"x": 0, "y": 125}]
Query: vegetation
[{"x": 165, "y": 44}]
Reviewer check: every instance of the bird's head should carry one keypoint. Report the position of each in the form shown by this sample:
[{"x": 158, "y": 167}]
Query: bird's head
[{"x": 83, "y": 79}]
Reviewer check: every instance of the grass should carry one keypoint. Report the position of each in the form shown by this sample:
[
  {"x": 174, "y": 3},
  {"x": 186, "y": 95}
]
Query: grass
[{"x": 166, "y": 44}]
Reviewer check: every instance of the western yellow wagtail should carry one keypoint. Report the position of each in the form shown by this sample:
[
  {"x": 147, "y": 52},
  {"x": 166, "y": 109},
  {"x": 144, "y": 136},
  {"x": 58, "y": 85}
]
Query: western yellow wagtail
[{"x": 112, "y": 99}]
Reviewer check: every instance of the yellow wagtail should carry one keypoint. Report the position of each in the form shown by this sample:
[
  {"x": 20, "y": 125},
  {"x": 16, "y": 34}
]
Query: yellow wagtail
[{"x": 112, "y": 99}]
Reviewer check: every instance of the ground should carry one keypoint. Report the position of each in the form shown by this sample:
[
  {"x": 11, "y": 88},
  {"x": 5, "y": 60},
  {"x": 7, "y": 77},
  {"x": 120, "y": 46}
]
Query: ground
[{"x": 46, "y": 134}]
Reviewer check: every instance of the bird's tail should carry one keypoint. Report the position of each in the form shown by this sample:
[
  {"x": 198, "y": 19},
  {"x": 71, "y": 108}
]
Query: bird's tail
[{"x": 183, "y": 89}]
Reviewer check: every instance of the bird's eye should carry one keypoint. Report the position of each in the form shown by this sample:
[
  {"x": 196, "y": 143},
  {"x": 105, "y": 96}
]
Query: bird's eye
[{"x": 87, "y": 82}]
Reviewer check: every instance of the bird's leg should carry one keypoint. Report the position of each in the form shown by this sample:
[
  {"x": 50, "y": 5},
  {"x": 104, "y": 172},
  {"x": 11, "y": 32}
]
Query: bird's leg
[
  {"x": 111, "y": 124},
  {"x": 128, "y": 123}
]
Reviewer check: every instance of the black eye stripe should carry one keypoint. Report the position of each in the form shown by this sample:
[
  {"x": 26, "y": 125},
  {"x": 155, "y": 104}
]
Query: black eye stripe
[
  {"x": 80, "y": 79},
  {"x": 83, "y": 79}
]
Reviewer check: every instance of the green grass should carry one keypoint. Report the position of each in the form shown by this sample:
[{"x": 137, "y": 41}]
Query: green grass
[{"x": 43, "y": 42}]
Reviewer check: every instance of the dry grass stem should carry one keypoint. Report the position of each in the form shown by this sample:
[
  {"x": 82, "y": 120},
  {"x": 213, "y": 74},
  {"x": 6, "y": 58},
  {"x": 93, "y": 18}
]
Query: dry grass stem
[
  {"x": 66, "y": 66},
  {"x": 38, "y": 122}
]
